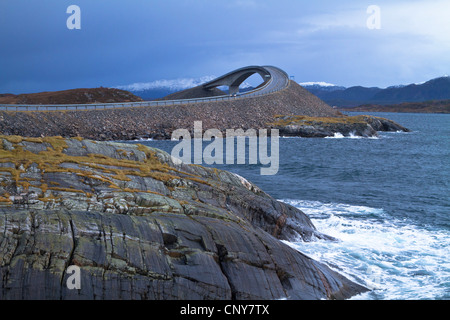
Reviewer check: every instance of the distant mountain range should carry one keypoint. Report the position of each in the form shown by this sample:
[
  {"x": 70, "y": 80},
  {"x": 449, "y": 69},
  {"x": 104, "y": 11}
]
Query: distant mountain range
[
  {"x": 433, "y": 106},
  {"x": 435, "y": 89},
  {"x": 334, "y": 95}
]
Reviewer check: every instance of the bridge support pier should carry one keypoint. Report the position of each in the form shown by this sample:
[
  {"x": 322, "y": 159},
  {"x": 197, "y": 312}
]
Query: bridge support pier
[{"x": 234, "y": 90}]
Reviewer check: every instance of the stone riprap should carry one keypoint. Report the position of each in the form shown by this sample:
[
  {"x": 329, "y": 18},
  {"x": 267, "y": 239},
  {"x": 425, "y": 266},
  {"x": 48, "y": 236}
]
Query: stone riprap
[{"x": 159, "y": 122}]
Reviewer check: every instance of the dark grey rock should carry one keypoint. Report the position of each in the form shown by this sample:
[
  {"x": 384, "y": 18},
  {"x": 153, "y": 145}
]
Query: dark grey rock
[
  {"x": 310, "y": 127},
  {"x": 167, "y": 232}
]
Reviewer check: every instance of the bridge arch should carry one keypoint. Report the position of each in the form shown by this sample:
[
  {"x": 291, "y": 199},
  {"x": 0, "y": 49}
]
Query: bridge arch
[{"x": 235, "y": 78}]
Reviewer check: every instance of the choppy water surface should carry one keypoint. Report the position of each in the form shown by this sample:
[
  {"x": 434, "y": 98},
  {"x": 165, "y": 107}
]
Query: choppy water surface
[{"x": 386, "y": 200}]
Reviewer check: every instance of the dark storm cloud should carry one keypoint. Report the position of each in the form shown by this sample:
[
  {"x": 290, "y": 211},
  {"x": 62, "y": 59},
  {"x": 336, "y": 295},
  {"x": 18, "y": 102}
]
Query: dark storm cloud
[{"x": 122, "y": 42}]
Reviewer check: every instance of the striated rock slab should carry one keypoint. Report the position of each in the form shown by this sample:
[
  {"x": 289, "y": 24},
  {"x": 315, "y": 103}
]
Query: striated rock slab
[{"x": 140, "y": 226}]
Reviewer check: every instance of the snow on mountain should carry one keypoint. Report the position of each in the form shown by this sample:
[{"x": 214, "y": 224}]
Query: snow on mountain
[
  {"x": 434, "y": 89},
  {"x": 161, "y": 88},
  {"x": 401, "y": 85},
  {"x": 173, "y": 85},
  {"x": 317, "y": 84},
  {"x": 438, "y": 78},
  {"x": 319, "y": 87}
]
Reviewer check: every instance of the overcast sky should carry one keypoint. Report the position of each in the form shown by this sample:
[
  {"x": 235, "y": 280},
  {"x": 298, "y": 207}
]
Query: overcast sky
[{"x": 123, "y": 42}]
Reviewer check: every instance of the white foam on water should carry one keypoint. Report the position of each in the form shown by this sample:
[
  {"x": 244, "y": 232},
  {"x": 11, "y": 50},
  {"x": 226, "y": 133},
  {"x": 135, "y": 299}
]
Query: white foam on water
[
  {"x": 394, "y": 258},
  {"x": 353, "y": 136},
  {"x": 338, "y": 135}
]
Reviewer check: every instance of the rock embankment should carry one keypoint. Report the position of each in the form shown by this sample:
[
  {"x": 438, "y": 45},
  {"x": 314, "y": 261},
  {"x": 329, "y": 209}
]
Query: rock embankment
[
  {"x": 140, "y": 226},
  {"x": 160, "y": 122}
]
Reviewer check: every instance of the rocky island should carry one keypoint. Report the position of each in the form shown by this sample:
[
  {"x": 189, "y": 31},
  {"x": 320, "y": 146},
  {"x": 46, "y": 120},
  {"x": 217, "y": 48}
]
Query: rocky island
[{"x": 141, "y": 226}]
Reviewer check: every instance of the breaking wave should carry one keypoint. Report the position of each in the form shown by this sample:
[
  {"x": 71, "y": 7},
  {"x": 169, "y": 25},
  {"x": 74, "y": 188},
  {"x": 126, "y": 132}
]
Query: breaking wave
[{"x": 395, "y": 259}]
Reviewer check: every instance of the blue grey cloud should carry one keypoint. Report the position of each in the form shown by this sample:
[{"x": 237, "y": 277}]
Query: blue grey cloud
[{"x": 124, "y": 42}]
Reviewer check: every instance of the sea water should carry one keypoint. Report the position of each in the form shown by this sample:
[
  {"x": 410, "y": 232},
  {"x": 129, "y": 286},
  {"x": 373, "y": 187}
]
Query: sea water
[{"x": 386, "y": 200}]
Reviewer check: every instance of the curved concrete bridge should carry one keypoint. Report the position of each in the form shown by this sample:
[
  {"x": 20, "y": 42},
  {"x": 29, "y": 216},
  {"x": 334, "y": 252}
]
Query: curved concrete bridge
[
  {"x": 269, "y": 74},
  {"x": 274, "y": 79}
]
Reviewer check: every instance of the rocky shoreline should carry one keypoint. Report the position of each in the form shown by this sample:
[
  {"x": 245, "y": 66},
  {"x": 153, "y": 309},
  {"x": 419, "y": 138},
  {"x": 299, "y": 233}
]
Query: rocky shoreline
[
  {"x": 140, "y": 226},
  {"x": 42, "y": 124},
  {"x": 321, "y": 127}
]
